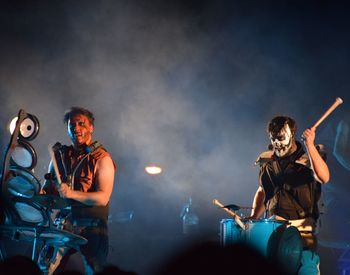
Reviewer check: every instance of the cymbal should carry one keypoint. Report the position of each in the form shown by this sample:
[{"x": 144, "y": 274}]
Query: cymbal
[
  {"x": 51, "y": 201},
  {"x": 61, "y": 237},
  {"x": 47, "y": 201},
  {"x": 51, "y": 236}
]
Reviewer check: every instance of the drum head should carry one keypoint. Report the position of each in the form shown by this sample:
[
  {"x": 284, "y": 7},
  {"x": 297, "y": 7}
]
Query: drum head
[
  {"x": 29, "y": 127},
  {"x": 24, "y": 155},
  {"x": 29, "y": 213},
  {"x": 22, "y": 183}
]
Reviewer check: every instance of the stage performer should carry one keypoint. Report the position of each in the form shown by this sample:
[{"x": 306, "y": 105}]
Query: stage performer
[
  {"x": 290, "y": 180},
  {"x": 87, "y": 174}
]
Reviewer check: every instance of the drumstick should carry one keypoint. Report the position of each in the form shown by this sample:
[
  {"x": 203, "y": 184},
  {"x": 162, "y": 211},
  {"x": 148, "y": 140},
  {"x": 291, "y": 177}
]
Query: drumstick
[
  {"x": 236, "y": 217},
  {"x": 336, "y": 103},
  {"x": 54, "y": 163}
]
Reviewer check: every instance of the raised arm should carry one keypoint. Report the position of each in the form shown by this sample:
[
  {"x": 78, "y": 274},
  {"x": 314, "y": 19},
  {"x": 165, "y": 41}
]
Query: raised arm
[{"x": 321, "y": 171}]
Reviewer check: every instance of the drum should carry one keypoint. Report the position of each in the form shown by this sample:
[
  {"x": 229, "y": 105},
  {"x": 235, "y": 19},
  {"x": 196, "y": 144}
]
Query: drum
[
  {"x": 259, "y": 233},
  {"x": 29, "y": 214},
  {"x": 21, "y": 186},
  {"x": 275, "y": 240},
  {"x": 271, "y": 238},
  {"x": 230, "y": 232},
  {"x": 23, "y": 155},
  {"x": 22, "y": 183},
  {"x": 50, "y": 236},
  {"x": 29, "y": 127}
]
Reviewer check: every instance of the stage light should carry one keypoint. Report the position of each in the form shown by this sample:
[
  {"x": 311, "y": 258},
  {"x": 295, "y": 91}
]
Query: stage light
[
  {"x": 19, "y": 184},
  {"x": 153, "y": 170},
  {"x": 13, "y": 124}
]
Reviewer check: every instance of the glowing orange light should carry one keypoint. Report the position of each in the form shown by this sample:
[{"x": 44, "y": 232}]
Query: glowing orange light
[{"x": 153, "y": 170}]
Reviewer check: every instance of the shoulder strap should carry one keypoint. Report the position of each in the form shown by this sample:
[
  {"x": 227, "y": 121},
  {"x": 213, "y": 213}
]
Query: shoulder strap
[
  {"x": 263, "y": 158},
  {"x": 302, "y": 213},
  {"x": 93, "y": 147}
]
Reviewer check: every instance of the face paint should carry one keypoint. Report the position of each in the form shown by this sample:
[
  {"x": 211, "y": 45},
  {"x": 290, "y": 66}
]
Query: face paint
[
  {"x": 282, "y": 141},
  {"x": 80, "y": 130}
]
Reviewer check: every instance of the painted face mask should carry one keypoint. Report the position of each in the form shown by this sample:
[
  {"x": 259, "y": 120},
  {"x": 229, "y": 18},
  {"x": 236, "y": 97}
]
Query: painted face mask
[{"x": 282, "y": 141}]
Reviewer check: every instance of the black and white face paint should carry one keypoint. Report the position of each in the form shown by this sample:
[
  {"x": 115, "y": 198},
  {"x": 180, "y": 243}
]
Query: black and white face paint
[{"x": 282, "y": 141}]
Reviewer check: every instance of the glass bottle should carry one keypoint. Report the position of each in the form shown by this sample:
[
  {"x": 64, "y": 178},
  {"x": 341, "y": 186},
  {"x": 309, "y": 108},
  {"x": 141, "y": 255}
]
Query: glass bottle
[{"x": 190, "y": 220}]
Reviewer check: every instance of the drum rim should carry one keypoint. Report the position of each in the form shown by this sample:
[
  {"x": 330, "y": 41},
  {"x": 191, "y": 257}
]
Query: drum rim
[
  {"x": 256, "y": 221},
  {"x": 265, "y": 221},
  {"x": 26, "y": 145},
  {"x": 36, "y": 123}
]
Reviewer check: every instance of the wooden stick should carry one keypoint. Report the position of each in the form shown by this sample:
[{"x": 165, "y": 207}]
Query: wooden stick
[
  {"x": 236, "y": 217},
  {"x": 336, "y": 103},
  {"x": 54, "y": 163}
]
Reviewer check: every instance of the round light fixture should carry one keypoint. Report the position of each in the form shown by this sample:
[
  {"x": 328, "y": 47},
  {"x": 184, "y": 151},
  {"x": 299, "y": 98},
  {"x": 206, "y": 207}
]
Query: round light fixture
[{"x": 153, "y": 170}]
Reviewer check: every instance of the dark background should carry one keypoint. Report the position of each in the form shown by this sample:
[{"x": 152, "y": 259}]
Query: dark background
[{"x": 188, "y": 85}]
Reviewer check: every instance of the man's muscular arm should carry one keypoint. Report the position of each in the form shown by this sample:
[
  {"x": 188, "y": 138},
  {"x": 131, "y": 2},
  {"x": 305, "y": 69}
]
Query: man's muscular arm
[
  {"x": 321, "y": 170},
  {"x": 104, "y": 181}
]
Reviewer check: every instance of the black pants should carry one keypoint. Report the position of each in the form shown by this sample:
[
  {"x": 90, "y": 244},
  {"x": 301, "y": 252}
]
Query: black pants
[{"x": 96, "y": 250}]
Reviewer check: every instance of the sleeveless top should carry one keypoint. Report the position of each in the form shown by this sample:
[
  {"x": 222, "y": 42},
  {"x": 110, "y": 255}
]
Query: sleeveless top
[
  {"x": 291, "y": 190},
  {"x": 78, "y": 170}
]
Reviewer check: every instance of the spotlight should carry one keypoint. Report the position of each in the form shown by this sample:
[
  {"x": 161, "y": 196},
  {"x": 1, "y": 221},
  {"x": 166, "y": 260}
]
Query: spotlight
[
  {"x": 153, "y": 170},
  {"x": 18, "y": 181},
  {"x": 13, "y": 124}
]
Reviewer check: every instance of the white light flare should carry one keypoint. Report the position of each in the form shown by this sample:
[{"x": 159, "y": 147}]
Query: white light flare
[
  {"x": 13, "y": 125},
  {"x": 153, "y": 170}
]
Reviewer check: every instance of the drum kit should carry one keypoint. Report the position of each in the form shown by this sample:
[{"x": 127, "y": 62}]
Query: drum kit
[
  {"x": 25, "y": 213},
  {"x": 273, "y": 239},
  {"x": 28, "y": 218}
]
